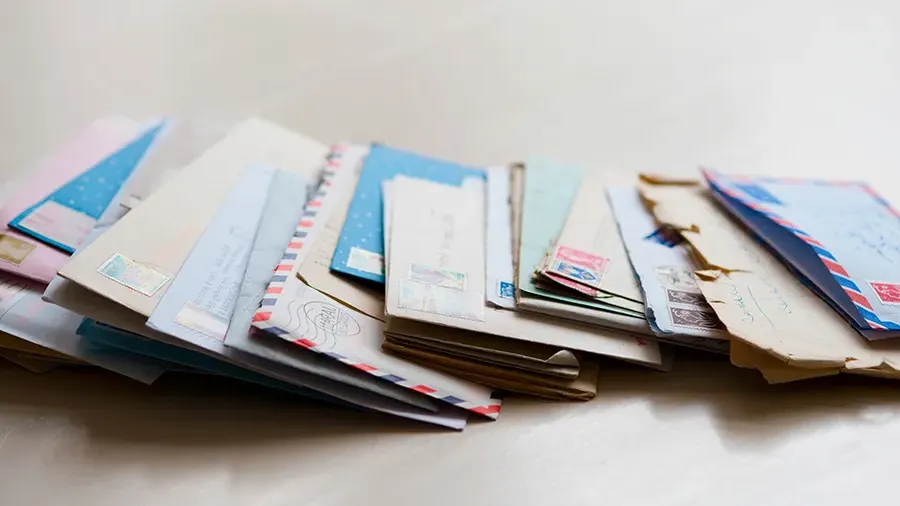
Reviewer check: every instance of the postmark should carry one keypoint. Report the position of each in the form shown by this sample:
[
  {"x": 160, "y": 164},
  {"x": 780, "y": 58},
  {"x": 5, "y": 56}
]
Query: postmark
[
  {"x": 578, "y": 266},
  {"x": 695, "y": 318},
  {"x": 366, "y": 261},
  {"x": 331, "y": 318},
  {"x": 14, "y": 250},
  {"x": 437, "y": 277},
  {"x": 418, "y": 296},
  {"x": 139, "y": 277},
  {"x": 679, "y": 278},
  {"x": 887, "y": 293}
]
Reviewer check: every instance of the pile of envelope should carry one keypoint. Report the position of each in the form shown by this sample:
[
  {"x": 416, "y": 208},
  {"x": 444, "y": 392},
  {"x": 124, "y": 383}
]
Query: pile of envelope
[{"x": 378, "y": 278}]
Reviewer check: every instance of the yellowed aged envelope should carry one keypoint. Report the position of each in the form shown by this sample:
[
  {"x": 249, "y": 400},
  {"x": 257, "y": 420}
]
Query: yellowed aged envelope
[
  {"x": 134, "y": 260},
  {"x": 758, "y": 299},
  {"x": 436, "y": 275}
]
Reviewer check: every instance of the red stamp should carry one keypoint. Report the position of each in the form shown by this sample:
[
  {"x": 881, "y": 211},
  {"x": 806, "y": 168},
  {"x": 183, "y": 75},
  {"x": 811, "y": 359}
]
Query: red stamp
[
  {"x": 579, "y": 266},
  {"x": 887, "y": 293}
]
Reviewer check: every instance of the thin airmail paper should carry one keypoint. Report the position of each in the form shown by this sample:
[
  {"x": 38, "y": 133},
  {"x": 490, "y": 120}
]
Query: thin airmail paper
[
  {"x": 360, "y": 249},
  {"x": 676, "y": 309},
  {"x": 66, "y": 216},
  {"x": 842, "y": 237},
  {"x": 501, "y": 291},
  {"x": 440, "y": 227},
  {"x": 29, "y": 257},
  {"x": 760, "y": 302},
  {"x": 202, "y": 299},
  {"x": 314, "y": 267},
  {"x": 283, "y": 211},
  {"x": 160, "y": 233}
]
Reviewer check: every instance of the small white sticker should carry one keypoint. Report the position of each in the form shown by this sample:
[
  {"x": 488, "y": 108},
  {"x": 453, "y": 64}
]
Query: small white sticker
[
  {"x": 366, "y": 261},
  {"x": 196, "y": 318}
]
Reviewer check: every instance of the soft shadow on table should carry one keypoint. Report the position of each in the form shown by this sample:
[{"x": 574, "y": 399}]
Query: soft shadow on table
[
  {"x": 205, "y": 411},
  {"x": 747, "y": 413},
  {"x": 185, "y": 409}
]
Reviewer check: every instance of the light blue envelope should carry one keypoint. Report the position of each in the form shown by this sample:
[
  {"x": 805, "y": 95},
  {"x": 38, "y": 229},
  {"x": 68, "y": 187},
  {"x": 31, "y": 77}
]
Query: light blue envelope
[
  {"x": 665, "y": 270},
  {"x": 279, "y": 220},
  {"x": 360, "y": 249},
  {"x": 81, "y": 201},
  {"x": 840, "y": 238},
  {"x": 101, "y": 335}
]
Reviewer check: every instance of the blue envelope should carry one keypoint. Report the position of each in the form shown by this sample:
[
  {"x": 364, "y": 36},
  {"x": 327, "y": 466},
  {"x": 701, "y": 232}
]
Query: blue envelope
[
  {"x": 104, "y": 336},
  {"x": 64, "y": 218},
  {"x": 360, "y": 249},
  {"x": 841, "y": 239}
]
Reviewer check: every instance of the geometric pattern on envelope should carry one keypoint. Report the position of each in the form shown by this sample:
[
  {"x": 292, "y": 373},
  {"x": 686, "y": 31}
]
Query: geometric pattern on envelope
[
  {"x": 834, "y": 267},
  {"x": 285, "y": 268}
]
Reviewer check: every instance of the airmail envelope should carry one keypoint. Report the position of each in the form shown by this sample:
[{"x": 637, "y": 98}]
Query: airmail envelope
[
  {"x": 842, "y": 237},
  {"x": 437, "y": 275},
  {"x": 150, "y": 243},
  {"x": 29, "y": 257},
  {"x": 760, "y": 302}
]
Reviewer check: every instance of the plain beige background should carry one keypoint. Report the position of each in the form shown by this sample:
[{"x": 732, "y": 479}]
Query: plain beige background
[{"x": 806, "y": 87}]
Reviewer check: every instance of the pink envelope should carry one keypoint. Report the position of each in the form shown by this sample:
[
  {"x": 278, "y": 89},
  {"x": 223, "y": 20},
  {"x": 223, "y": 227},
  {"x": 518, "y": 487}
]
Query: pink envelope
[{"x": 19, "y": 254}]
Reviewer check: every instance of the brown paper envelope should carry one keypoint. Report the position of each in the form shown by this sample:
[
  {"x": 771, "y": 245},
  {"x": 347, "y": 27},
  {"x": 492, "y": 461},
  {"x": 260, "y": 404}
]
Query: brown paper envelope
[
  {"x": 760, "y": 302},
  {"x": 11, "y": 342},
  {"x": 582, "y": 388},
  {"x": 132, "y": 262},
  {"x": 510, "y": 353}
]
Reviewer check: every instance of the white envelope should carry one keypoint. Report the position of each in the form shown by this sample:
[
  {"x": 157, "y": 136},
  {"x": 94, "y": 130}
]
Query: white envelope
[
  {"x": 436, "y": 275},
  {"x": 149, "y": 244},
  {"x": 500, "y": 286}
]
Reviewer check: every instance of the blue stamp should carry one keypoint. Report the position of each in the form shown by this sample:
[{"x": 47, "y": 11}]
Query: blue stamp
[{"x": 506, "y": 290}]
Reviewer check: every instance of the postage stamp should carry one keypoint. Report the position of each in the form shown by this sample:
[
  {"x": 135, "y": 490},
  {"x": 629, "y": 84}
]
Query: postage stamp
[
  {"x": 689, "y": 298},
  {"x": 140, "y": 278},
  {"x": 887, "y": 293},
  {"x": 14, "y": 250},
  {"x": 506, "y": 290},
  {"x": 695, "y": 318},
  {"x": 437, "y": 277},
  {"x": 578, "y": 266}
]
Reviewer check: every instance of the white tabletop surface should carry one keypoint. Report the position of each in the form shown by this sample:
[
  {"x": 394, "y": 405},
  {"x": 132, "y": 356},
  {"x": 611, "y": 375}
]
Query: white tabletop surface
[{"x": 806, "y": 87}]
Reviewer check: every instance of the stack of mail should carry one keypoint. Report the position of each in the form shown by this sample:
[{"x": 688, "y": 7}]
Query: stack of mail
[{"x": 386, "y": 280}]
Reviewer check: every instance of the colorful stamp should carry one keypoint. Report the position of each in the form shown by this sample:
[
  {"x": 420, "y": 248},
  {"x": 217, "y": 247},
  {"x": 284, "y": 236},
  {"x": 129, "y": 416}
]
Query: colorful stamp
[
  {"x": 140, "y": 278},
  {"x": 418, "y": 296},
  {"x": 578, "y": 266},
  {"x": 506, "y": 290},
  {"x": 695, "y": 318},
  {"x": 887, "y": 293},
  {"x": 366, "y": 261},
  {"x": 568, "y": 283},
  {"x": 437, "y": 277},
  {"x": 14, "y": 250}
]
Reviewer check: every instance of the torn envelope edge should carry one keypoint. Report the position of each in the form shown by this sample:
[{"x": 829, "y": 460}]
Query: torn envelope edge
[{"x": 881, "y": 366}]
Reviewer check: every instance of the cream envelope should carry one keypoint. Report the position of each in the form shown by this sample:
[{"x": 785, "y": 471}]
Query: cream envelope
[
  {"x": 133, "y": 261},
  {"x": 590, "y": 251},
  {"x": 436, "y": 275},
  {"x": 760, "y": 302}
]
